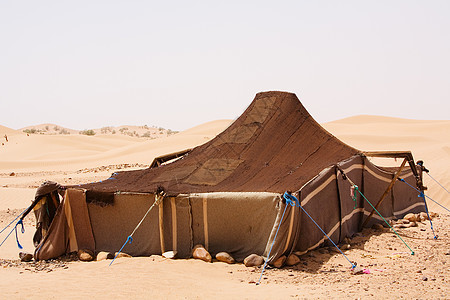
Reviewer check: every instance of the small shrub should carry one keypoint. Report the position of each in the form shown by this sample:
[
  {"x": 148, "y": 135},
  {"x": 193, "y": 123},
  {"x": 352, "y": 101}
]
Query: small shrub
[
  {"x": 32, "y": 130},
  {"x": 63, "y": 131},
  {"x": 89, "y": 132}
]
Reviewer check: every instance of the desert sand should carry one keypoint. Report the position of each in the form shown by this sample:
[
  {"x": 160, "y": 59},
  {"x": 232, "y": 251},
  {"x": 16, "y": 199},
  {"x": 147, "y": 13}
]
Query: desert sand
[{"x": 28, "y": 160}]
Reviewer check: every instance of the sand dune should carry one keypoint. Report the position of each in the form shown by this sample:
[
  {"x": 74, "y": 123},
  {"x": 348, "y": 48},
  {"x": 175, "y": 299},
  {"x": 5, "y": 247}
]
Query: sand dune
[
  {"x": 73, "y": 152},
  {"x": 8, "y": 131}
]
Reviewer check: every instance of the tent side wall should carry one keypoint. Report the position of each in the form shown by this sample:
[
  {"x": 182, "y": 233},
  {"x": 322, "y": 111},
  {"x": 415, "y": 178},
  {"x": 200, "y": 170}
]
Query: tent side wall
[
  {"x": 398, "y": 202},
  {"x": 238, "y": 223},
  {"x": 320, "y": 199},
  {"x": 330, "y": 201}
]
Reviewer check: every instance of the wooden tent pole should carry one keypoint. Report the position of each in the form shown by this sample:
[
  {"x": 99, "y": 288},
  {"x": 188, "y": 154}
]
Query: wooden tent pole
[
  {"x": 386, "y": 191},
  {"x": 161, "y": 226}
]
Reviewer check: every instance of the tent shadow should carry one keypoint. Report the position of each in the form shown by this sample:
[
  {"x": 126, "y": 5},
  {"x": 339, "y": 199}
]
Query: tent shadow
[{"x": 313, "y": 261}]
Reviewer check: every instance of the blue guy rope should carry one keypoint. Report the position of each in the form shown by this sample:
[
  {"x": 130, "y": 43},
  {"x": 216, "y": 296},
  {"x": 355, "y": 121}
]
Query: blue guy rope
[
  {"x": 268, "y": 255},
  {"x": 15, "y": 229},
  {"x": 158, "y": 199},
  {"x": 13, "y": 220},
  {"x": 401, "y": 179},
  {"x": 422, "y": 195},
  {"x": 23, "y": 231},
  {"x": 129, "y": 241},
  {"x": 294, "y": 201},
  {"x": 437, "y": 182},
  {"x": 7, "y": 236}
]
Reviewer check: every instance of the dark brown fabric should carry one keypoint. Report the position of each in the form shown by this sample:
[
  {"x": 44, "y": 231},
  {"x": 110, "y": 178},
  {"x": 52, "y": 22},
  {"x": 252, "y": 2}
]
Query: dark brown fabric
[
  {"x": 55, "y": 243},
  {"x": 351, "y": 217},
  {"x": 405, "y": 199},
  {"x": 44, "y": 207},
  {"x": 374, "y": 187},
  {"x": 274, "y": 146},
  {"x": 320, "y": 199},
  {"x": 46, "y": 188},
  {"x": 99, "y": 198}
]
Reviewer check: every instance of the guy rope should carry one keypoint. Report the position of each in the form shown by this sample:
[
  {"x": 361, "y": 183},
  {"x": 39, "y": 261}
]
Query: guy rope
[
  {"x": 293, "y": 201},
  {"x": 159, "y": 196},
  {"x": 355, "y": 187},
  {"x": 20, "y": 222}
]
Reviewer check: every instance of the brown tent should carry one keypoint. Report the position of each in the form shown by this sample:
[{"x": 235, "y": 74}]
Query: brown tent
[{"x": 227, "y": 194}]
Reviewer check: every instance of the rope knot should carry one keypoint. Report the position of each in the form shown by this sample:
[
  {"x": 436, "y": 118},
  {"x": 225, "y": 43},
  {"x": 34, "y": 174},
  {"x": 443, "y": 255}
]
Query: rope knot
[
  {"x": 290, "y": 200},
  {"x": 353, "y": 194}
]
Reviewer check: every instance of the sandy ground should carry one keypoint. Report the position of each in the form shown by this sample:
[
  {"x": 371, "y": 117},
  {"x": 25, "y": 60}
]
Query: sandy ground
[{"x": 393, "y": 271}]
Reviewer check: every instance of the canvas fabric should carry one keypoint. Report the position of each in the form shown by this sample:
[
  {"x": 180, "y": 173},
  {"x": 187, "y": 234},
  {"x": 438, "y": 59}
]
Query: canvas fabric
[
  {"x": 70, "y": 230},
  {"x": 238, "y": 223}
]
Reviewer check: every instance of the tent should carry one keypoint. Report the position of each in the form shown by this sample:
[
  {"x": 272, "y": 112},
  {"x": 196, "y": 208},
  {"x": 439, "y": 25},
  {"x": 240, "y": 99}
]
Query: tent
[{"x": 227, "y": 193}]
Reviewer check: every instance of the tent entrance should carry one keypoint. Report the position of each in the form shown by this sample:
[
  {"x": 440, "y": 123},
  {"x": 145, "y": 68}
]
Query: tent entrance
[{"x": 407, "y": 157}]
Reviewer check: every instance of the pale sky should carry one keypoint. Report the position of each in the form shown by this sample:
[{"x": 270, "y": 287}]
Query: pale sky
[{"x": 178, "y": 64}]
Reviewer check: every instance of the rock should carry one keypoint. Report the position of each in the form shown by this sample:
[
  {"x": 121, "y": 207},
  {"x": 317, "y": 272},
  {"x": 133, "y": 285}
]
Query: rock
[
  {"x": 346, "y": 240},
  {"x": 396, "y": 226},
  {"x": 225, "y": 257},
  {"x": 201, "y": 253},
  {"x": 423, "y": 216},
  {"x": 292, "y": 260},
  {"x": 425, "y": 278},
  {"x": 279, "y": 262},
  {"x": 403, "y": 221},
  {"x": 377, "y": 226},
  {"x": 412, "y": 224},
  {"x": 104, "y": 255},
  {"x": 25, "y": 257},
  {"x": 122, "y": 254},
  {"x": 410, "y": 217},
  {"x": 357, "y": 270},
  {"x": 170, "y": 254},
  {"x": 345, "y": 247},
  {"x": 85, "y": 255},
  {"x": 12, "y": 174},
  {"x": 253, "y": 260},
  {"x": 434, "y": 215}
]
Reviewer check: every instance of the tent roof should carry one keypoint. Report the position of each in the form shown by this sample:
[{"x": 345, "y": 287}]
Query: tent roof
[{"x": 274, "y": 146}]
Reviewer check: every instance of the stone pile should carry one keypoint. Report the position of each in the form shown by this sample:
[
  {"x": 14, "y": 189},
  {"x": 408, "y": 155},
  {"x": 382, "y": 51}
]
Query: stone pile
[{"x": 411, "y": 220}]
